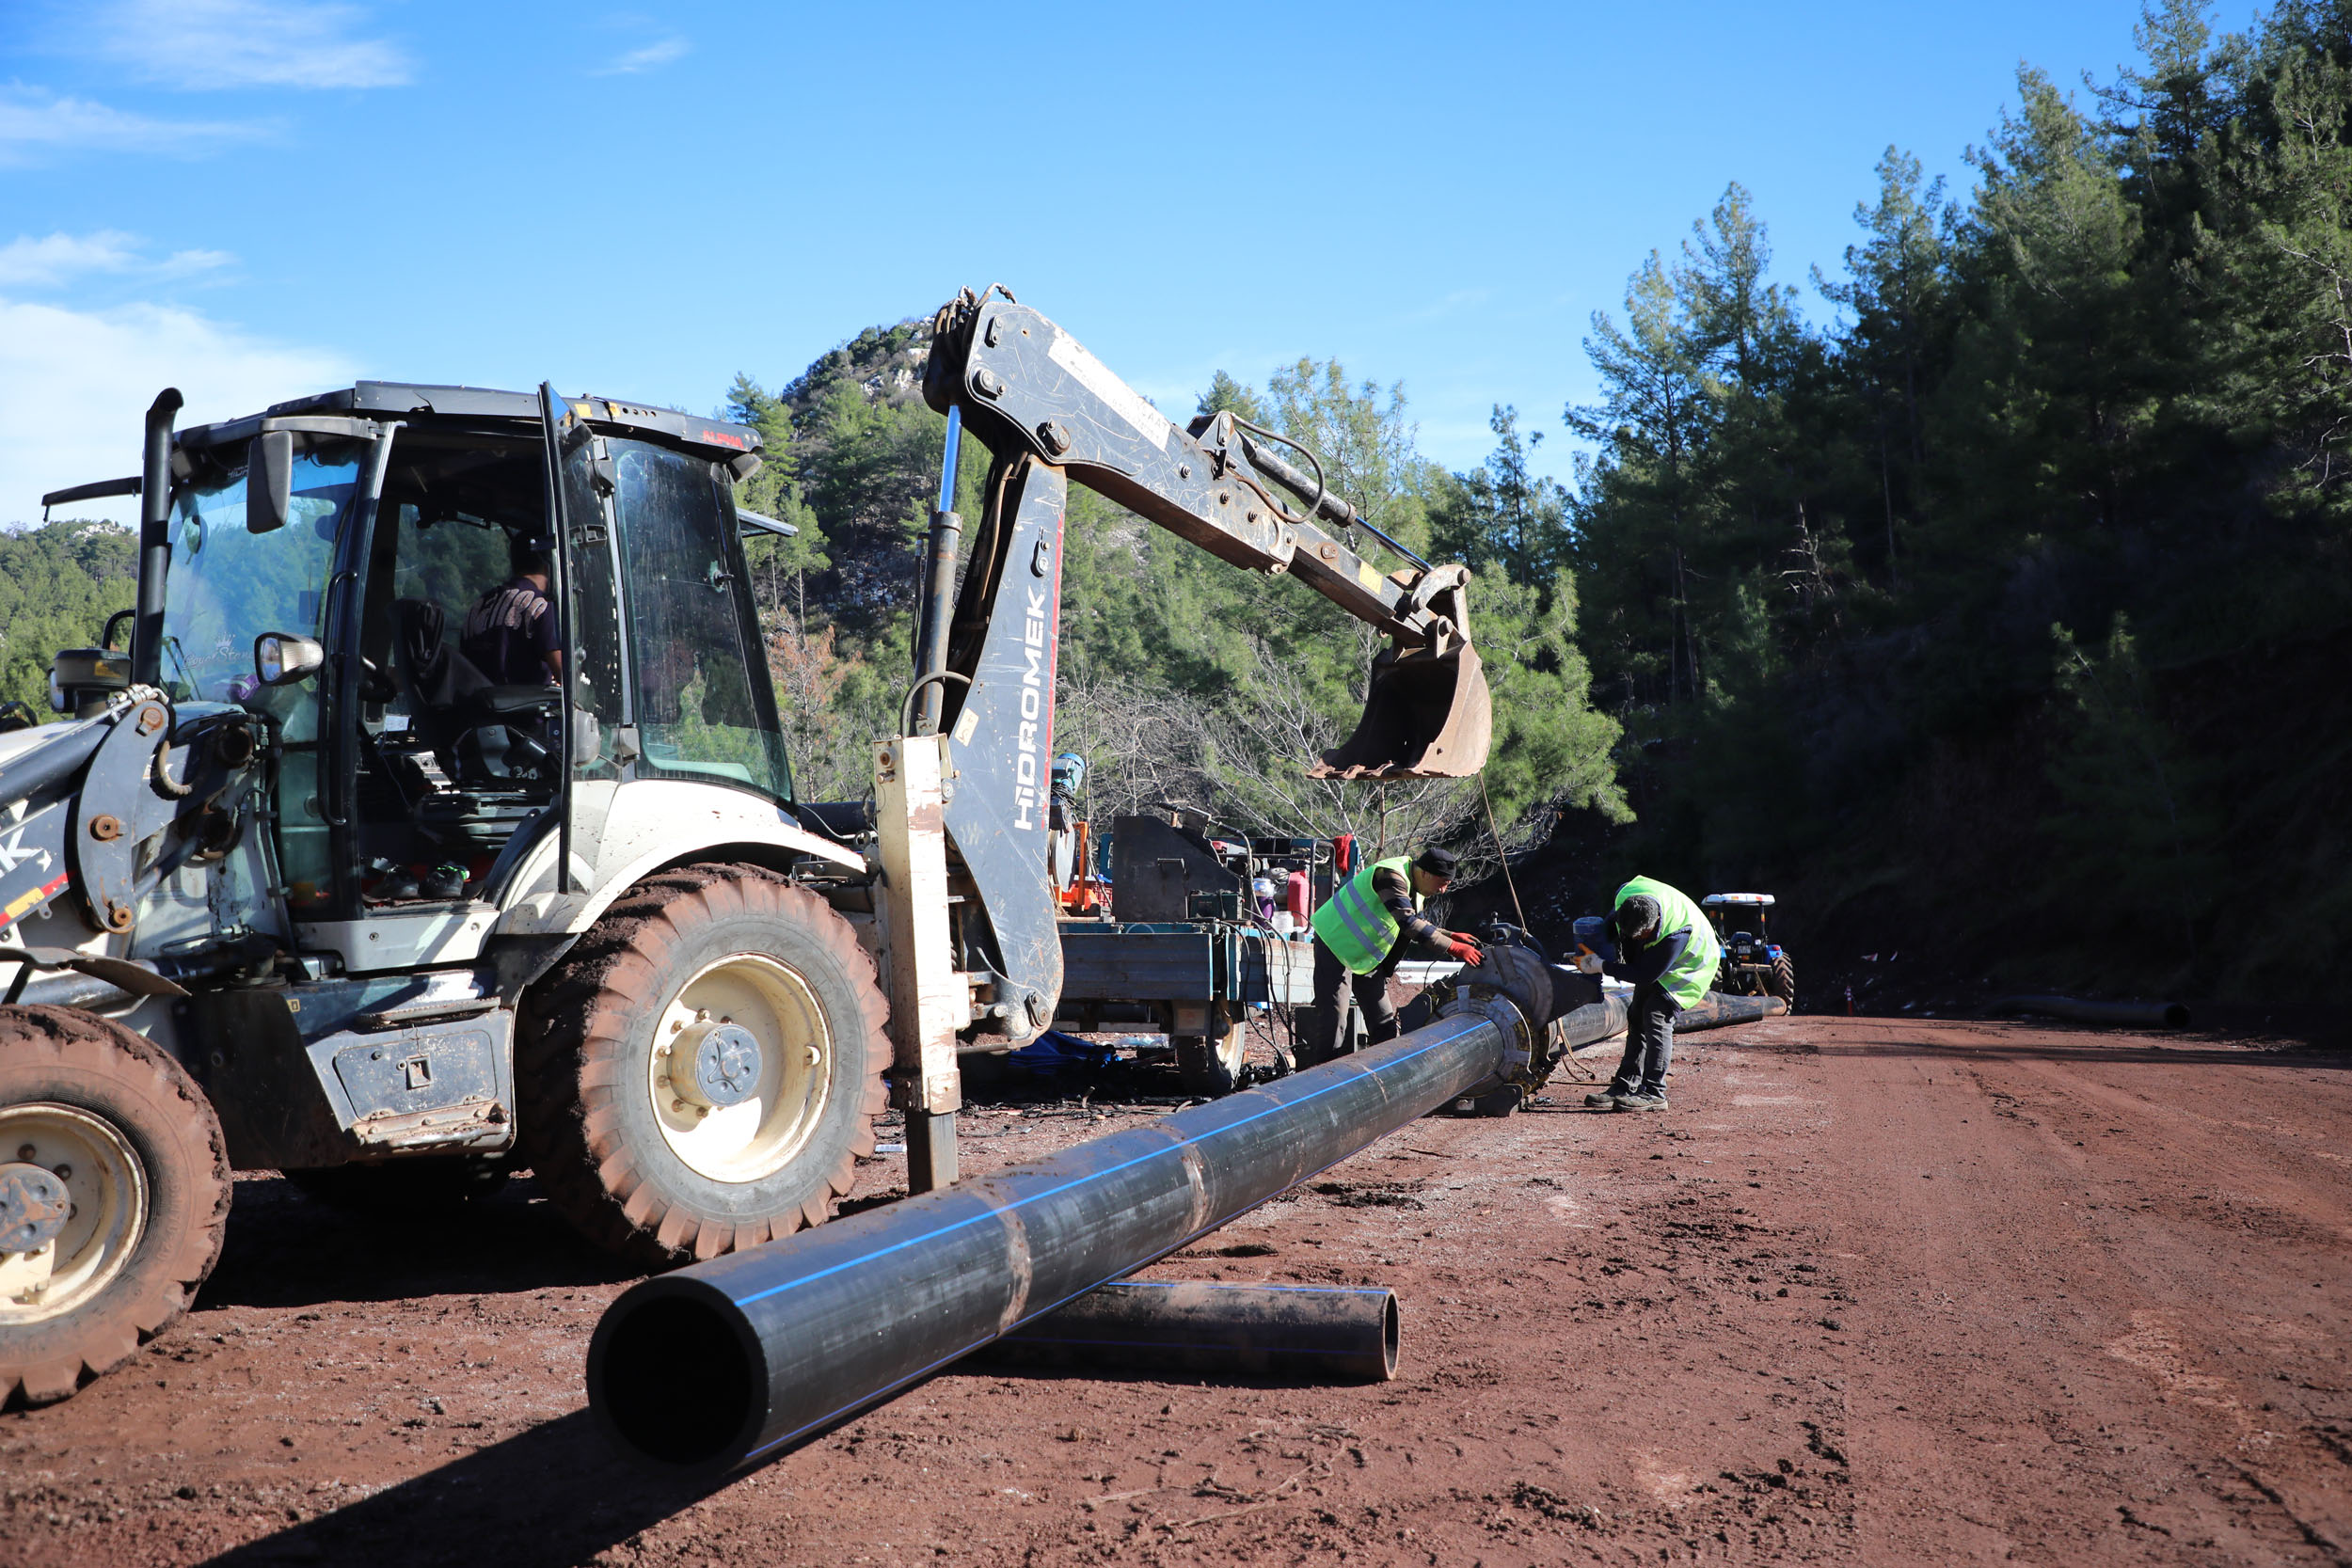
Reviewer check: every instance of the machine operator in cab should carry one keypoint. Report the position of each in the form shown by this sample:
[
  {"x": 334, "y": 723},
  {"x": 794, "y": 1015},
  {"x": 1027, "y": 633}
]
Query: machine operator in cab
[
  {"x": 1363, "y": 931},
  {"x": 511, "y": 632},
  {"x": 1667, "y": 949}
]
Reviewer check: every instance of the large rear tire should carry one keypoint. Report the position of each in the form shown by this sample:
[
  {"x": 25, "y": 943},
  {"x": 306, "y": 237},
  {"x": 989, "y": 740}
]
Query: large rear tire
[
  {"x": 1784, "y": 982},
  {"x": 702, "y": 1072},
  {"x": 141, "y": 1158}
]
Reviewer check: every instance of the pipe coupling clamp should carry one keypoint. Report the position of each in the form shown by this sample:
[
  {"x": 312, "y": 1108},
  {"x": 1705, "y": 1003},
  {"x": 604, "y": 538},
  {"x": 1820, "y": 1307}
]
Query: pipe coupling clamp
[{"x": 1522, "y": 1061}]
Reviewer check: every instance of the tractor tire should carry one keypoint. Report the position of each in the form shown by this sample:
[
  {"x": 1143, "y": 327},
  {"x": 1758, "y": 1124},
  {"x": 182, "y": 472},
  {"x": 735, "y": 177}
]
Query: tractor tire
[
  {"x": 701, "y": 1074},
  {"x": 1210, "y": 1066},
  {"x": 1782, "y": 983},
  {"x": 433, "y": 1185},
  {"x": 146, "y": 1171}
]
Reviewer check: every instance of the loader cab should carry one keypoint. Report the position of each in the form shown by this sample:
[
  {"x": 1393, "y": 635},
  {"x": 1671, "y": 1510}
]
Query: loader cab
[
  {"x": 1740, "y": 920},
  {"x": 413, "y": 782}
]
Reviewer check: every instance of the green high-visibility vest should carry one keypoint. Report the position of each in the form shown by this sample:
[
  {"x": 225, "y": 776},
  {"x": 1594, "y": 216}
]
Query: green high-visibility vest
[
  {"x": 1355, "y": 924},
  {"x": 1688, "y": 980}
]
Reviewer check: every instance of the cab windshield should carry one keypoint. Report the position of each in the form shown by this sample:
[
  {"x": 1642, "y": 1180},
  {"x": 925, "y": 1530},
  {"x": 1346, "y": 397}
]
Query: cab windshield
[
  {"x": 704, "y": 710},
  {"x": 227, "y": 586},
  {"x": 1732, "y": 919}
]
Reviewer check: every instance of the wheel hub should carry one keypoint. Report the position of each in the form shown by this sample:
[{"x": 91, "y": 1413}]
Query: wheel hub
[
  {"x": 33, "y": 1206},
  {"x": 739, "y": 1071},
  {"x": 68, "y": 1160},
  {"x": 723, "y": 1066}
]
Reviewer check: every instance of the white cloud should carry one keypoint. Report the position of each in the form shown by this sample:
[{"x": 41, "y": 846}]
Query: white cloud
[
  {"x": 28, "y": 262},
  {"x": 648, "y": 57},
  {"x": 196, "y": 44},
  {"x": 73, "y": 386},
  {"x": 34, "y": 122}
]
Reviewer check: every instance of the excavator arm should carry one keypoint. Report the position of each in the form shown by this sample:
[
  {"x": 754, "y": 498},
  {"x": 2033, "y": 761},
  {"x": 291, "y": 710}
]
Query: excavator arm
[
  {"x": 1025, "y": 387},
  {"x": 962, "y": 793}
]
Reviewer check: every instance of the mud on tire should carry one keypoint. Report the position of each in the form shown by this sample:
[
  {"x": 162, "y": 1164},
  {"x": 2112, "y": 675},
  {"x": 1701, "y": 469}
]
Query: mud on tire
[
  {"x": 150, "y": 1193},
  {"x": 654, "y": 1163}
]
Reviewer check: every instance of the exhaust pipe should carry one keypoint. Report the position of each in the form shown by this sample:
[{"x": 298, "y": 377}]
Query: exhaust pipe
[
  {"x": 147, "y": 628},
  {"x": 727, "y": 1363},
  {"x": 1310, "y": 1331}
]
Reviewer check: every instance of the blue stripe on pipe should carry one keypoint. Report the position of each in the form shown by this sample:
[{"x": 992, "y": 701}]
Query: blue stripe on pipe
[
  {"x": 1080, "y": 1181},
  {"x": 1020, "y": 1339},
  {"x": 1201, "y": 1285}
]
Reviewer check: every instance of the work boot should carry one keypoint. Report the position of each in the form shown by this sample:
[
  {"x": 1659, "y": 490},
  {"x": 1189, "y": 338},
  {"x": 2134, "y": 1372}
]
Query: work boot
[
  {"x": 1642, "y": 1103},
  {"x": 1604, "y": 1099}
]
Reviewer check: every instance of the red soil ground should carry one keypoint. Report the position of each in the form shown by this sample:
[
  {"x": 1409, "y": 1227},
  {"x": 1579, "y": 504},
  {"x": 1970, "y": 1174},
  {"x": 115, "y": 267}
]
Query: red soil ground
[{"x": 1872, "y": 1292}]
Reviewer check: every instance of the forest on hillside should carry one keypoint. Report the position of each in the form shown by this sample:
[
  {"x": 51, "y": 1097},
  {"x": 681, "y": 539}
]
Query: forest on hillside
[
  {"x": 1987, "y": 596},
  {"x": 2007, "y": 604},
  {"x": 1989, "y": 590}
]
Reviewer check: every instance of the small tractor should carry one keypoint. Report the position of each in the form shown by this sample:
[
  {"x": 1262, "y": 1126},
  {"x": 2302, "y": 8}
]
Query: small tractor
[
  {"x": 300, "y": 885},
  {"x": 1752, "y": 964}
]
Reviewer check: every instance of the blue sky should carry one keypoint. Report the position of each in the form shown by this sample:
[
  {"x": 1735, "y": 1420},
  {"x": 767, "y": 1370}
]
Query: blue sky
[{"x": 256, "y": 198}]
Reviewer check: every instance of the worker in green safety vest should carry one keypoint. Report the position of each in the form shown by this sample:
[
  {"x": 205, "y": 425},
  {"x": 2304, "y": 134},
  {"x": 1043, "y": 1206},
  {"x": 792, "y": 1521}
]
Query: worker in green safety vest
[
  {"x": 1362, "y": 931},
  {"x": 1667, "y": 948}
]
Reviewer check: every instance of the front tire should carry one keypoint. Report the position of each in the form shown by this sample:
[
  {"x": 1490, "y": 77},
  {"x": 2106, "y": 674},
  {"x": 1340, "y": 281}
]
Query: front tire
[
  {"x": 1782, "y": 983},
  {"x": 702, "y": 1072},
  {"x": 140, "y": 1155}
]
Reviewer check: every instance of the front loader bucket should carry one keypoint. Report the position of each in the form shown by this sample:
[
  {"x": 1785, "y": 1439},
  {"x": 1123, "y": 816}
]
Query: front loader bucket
[{"x": 1427, "y": 716}]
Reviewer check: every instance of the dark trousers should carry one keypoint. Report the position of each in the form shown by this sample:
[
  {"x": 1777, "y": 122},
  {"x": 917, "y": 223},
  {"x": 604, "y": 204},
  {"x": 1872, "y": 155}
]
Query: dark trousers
[
  {"x": 1650, "y": 1041},
  {"x": 1326, "y": 1028}
]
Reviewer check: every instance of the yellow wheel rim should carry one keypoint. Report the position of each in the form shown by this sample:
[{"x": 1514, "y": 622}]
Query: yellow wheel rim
[
  {"x": 106, "y": 1186},
  {"x": 737, "y": 1078}
]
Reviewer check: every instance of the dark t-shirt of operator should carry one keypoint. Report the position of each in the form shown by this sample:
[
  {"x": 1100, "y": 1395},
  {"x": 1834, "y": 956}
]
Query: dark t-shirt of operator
[{"x": 509, "y": 633}]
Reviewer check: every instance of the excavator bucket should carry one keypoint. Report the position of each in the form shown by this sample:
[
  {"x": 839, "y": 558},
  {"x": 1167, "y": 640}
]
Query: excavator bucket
[{"x": 1427, "y": 716}]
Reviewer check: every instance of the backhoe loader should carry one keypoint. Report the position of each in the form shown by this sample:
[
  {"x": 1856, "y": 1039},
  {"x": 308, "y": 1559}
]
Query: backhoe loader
[{"x": 296, "y": 885}]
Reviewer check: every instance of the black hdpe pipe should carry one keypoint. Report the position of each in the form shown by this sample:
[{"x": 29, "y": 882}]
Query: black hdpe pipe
[
  {"x": 1715, "y": 1010},
  {"x": 1594, "y": 1021},
  {"x": 1327, "y": 1333},
  {"x": 726, "y": 1363},
  {"x": 2128, "y": 1015}
]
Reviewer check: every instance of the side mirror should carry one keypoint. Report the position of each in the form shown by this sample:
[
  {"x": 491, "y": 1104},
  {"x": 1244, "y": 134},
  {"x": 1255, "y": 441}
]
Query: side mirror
[
  {"x": 280, "y": 658},
  {"x": 269, "y": 482}
]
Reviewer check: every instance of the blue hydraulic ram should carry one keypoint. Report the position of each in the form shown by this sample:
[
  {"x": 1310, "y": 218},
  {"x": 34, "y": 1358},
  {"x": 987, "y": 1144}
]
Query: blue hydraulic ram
[{"x": 729, "y": 1362}]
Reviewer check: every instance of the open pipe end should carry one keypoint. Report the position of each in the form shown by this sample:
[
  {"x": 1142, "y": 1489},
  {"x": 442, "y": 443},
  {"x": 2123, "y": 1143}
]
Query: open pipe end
[{"x": 674, "y": 1378}]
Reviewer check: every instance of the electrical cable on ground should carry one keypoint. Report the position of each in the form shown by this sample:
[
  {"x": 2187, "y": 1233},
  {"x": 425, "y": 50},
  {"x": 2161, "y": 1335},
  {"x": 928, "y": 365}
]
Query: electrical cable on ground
[{"x": 1576, "y": 1068}]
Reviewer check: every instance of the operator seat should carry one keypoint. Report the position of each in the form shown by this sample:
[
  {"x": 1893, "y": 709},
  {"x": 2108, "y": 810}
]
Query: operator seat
[{"x": 469, "y": 722}]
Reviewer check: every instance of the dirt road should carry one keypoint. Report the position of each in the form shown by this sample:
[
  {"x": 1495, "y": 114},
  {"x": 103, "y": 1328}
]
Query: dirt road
[{"x": 1871, "y": 1293}]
